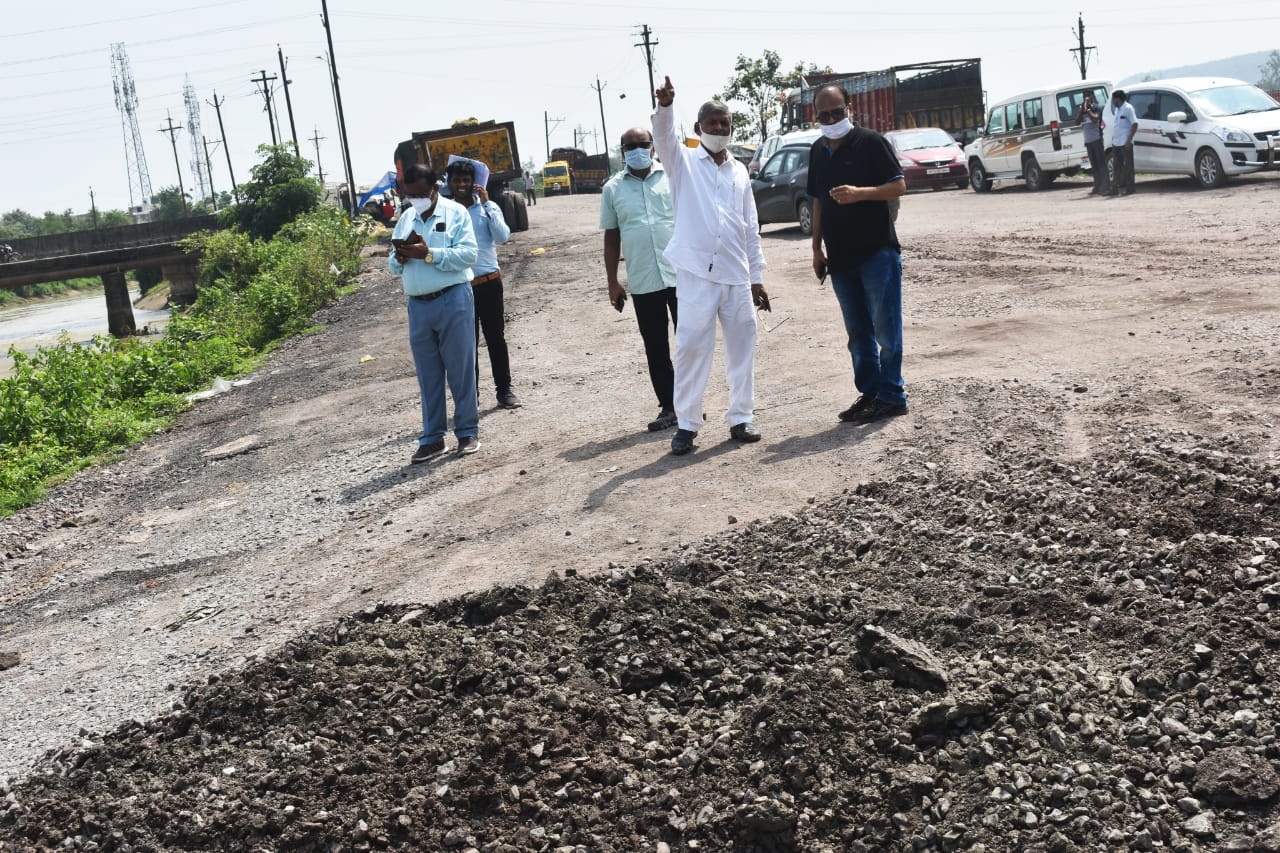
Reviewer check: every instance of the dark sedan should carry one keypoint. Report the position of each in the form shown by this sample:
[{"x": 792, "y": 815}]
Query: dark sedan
[
  {"x": 929, "y": 157},
  {"x": 779, "y": 188}
]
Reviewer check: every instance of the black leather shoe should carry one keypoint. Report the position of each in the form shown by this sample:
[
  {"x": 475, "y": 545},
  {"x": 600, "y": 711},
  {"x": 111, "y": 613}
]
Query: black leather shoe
[
  {"x": 682, "y": 442},
  {"x": 878, "y": 410},
  {"x": 746, "y": 433},
  {"x": 507, "y": 399},
  {"x": 666, "y": 419},
  {"x": 855, "y": 411},
  {"x": 427, "y": 451}
]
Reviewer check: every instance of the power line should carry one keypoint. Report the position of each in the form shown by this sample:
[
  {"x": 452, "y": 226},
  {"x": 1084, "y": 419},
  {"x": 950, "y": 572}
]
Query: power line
[
  {"x": 119, "y": 20},
  {"x": 316, "y": 140}
]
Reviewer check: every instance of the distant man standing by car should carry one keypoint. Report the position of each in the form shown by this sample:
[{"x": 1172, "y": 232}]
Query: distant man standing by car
[
  {"x": 715, "y": 249},
  {"x": 853, "y": 177},
  {"x": 490, "y": 229},
  {"x": 1090, "y": 120},
  {"x": 635, "y": 215},
  {"x": 433, "y": 248},
  {"x": 1124, "y": 126}
]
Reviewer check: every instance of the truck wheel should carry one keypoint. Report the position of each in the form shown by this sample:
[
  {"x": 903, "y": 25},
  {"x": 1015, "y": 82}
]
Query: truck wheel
[
  {"x": 508, "y": 210},
  {"x": 804, "y": 215},
  {"x": 1033, "y": 175},
  {"x": 521, "y": 211},
  {"x": 1209, "y": 172},
  {"x": 978, "y": 177}
]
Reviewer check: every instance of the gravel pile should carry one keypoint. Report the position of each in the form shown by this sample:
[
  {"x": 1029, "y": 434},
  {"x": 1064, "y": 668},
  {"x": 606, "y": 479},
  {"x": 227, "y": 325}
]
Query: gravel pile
[{"x": 1040, "y": 657}]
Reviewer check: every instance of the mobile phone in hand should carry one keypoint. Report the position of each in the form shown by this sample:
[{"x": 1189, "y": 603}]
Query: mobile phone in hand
[{"x": 620, "y": 302}]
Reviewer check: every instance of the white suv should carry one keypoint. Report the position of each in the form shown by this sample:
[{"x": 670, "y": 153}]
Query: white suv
[
  {"x": 1034, "y": 137},
  {"x": 1205, "y": 127}
]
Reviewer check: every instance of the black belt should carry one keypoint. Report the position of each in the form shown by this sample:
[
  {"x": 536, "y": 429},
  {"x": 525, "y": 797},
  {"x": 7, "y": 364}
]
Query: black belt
[{"x": 435, "y": 294}]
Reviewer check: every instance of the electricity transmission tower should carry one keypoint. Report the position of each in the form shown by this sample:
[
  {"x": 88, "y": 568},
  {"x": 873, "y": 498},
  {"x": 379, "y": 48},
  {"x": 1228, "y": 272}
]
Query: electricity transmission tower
[
  {"x": 135, "y": 156},
  {"x": 198, "y": 164}
]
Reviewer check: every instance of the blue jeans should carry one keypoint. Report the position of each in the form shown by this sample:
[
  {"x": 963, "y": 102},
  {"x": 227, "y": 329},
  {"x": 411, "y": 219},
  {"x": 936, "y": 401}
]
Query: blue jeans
[
  {"x": 871, "y": 302},
  {"x": 442, "y": 336}
]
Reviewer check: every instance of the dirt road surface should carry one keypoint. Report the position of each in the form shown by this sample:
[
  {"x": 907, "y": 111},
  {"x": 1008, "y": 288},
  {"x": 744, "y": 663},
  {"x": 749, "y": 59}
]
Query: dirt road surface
[{"x": 1043, "y": 324}]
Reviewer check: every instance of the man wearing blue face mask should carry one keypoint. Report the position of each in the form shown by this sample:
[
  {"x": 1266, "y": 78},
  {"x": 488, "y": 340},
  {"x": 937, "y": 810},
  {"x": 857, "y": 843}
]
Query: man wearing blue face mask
[
  {"x": 635, "y": 214},
  {"x": 854, "y": 175},
  {"x": 433, "y": 249}
]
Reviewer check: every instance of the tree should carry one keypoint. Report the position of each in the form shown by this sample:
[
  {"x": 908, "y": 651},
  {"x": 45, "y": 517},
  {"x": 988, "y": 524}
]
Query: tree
[
  {"x": 1270, "y": 73},
  {"x": 760, "y": 84},
  {"x": 167, "y": 204},
  {"x": 113, "y": 218},
  {"x": 280, "y": 192}
]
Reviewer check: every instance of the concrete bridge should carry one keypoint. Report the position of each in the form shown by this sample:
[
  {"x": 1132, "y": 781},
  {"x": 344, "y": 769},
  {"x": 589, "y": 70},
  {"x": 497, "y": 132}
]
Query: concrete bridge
[{"x": 109, "y": 252}]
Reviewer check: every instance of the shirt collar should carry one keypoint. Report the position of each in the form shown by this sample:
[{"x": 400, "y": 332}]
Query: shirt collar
[{"x": 655, "y": 168}]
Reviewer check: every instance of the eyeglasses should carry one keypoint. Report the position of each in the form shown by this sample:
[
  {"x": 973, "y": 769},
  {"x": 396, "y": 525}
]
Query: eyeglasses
[
  {"x": 832, "y": 116},
  {"x": 634, "y": 146}
]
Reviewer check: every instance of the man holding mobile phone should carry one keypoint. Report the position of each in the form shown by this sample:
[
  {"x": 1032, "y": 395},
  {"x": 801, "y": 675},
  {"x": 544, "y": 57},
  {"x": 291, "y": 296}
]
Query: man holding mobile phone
[
  {"x": 853, "y": 175},
  {"x": 433, "y": 248},
  {"x": 635, "y": 215}
]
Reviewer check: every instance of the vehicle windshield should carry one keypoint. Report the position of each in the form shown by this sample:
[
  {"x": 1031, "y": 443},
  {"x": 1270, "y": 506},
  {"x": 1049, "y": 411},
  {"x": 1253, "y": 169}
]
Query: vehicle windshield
[
  {"x": 555, "y": 172},
  {"x": 1233, "y": 101},
  {"x": 914, "y": 140}
]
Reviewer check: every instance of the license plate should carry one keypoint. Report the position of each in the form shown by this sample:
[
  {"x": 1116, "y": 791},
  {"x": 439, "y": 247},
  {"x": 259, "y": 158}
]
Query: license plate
[{"x": 937, "y": 171}]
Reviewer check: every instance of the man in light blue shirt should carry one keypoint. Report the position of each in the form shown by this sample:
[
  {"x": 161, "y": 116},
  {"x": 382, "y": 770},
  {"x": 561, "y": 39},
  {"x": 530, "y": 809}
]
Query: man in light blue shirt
[
  {"x": 635, "y": 214},
  {"x": 434, "y": 247},
  {"x": 1124, "y": 126},
  {"x": 486, "y": 286}
]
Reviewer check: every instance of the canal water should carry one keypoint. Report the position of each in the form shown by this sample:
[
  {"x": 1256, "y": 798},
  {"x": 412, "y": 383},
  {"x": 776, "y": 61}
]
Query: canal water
[{"x": 81, "y": 316}]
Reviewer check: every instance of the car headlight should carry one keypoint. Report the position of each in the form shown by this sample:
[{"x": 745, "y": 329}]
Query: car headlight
[{"x": 1226, "y": 134}]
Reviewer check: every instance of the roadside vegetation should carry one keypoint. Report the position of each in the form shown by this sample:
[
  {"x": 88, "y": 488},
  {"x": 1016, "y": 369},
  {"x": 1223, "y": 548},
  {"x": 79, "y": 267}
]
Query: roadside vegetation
[{"x": 282, "y": 257}]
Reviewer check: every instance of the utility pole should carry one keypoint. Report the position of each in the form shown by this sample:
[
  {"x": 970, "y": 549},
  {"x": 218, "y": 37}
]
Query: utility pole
[
  {"x": 316, "y": 140},
  {"x": 93, "y": 209},
  {"x": 288, "y": 102},
  {"x": 213, "y": 194},
  {"x": 599, "y": 87},
  {"x": 546, "y": 123},
  {"x": 266, "y": 97},
  {"x": 172, "y": 130},
  {"x": 217, "y": 107},
  {"x": 648, "y": 46},
  {"x": 1082, "y": 49},
  {"x": 337, "y": 97}
]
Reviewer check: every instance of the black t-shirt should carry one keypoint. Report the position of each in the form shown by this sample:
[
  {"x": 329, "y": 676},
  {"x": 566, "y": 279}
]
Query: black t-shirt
[{"x": 853, "y": 232}]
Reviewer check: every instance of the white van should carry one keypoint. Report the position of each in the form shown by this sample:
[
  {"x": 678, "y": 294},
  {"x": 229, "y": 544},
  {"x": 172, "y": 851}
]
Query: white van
[
  {"x": 1207, "y": 127},
  {"x": 1034, "y": 137}
]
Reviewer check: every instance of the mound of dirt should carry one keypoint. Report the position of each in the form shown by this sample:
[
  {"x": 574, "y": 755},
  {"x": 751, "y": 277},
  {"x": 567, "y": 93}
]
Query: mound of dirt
[{"x": 1040, "y": 657}]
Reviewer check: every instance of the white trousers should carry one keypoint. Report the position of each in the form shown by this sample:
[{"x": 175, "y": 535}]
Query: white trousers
[{"x": 701, "y": 303}]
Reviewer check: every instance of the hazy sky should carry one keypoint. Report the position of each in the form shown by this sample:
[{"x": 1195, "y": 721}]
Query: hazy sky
[{"x": 421, "y": 66}]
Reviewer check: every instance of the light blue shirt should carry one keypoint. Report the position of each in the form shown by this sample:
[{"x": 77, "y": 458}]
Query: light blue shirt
[
  {"x": 640, "y": 208},
  {"x": 453, "y": 248},
  {"x": 1123, "y": 120},
  {"x": 491, "y": 229}
]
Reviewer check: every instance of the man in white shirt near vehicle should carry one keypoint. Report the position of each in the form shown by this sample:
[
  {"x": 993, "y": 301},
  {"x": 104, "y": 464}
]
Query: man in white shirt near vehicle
[
  {"x": 1124, "y": 126},
  {"x": 719, "y": 266}
]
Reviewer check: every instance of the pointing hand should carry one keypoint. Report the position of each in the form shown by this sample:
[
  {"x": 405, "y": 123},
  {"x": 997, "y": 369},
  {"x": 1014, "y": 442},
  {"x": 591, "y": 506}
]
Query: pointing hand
[{"x": 666, "y": 93}]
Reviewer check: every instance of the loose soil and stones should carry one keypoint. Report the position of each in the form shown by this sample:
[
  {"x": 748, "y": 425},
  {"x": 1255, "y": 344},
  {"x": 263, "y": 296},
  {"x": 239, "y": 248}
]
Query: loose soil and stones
[{"x": 1035, "y": 614}]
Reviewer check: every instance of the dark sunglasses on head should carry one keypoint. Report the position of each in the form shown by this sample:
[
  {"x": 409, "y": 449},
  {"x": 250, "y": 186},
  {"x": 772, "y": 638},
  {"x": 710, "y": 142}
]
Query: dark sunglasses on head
[
  {"x": 832, "y": 116},
  {"x": 633, "y": 146}
]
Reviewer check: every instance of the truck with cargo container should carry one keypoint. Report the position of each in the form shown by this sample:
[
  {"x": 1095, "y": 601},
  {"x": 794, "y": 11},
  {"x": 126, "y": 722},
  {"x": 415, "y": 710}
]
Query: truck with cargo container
[
  {"x": 490, "y": 142},
  {"x": 946, "y": 94},
  {"x": 588, "y": 172}
]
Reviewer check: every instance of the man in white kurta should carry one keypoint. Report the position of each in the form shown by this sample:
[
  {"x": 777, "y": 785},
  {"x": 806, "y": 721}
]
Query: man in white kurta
[{"x": 719, "y": 265}]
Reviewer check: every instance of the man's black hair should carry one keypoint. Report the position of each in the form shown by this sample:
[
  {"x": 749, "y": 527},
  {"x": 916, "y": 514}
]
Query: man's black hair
[
  {"x": 415, "y": 172},
  {"x": 461, "y": 167},
  {"x": 1121, "y": 94}
]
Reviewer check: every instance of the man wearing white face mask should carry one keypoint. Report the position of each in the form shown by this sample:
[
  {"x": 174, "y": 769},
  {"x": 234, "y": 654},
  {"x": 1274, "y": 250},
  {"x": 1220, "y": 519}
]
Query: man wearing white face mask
[
  {"x": 719, "y": 265},
  {"x": 434, "y": 246},
  {"x": 635, "y": 215},
  {"x": 853, "y": 177}
]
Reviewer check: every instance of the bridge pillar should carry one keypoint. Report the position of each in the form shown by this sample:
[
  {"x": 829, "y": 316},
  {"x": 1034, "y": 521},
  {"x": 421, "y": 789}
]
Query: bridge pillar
[
  {"x": 120, "y": 320},
  {"x": 182, "y": 276}
]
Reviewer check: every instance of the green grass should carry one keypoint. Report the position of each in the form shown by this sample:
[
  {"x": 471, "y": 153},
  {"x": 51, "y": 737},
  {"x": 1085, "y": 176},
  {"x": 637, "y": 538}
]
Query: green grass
[
  {"x": 66, "y": 406},
  {"x": 44, "y": 290}
]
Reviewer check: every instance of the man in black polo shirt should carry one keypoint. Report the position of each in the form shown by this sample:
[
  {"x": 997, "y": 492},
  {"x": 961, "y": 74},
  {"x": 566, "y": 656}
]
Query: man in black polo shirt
[{"x": 853, "y": 175}]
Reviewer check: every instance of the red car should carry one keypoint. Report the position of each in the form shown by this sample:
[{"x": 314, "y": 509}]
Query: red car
[{"x": 929, "y": 158}]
